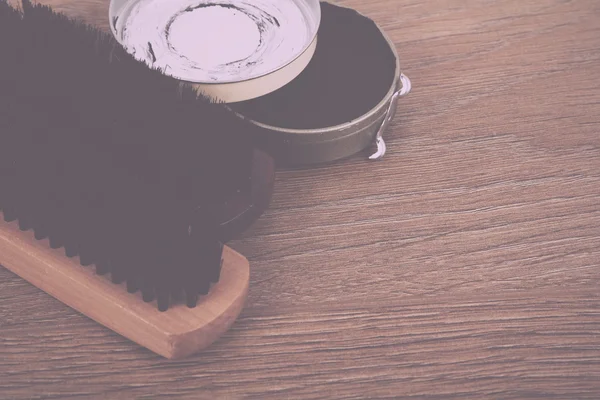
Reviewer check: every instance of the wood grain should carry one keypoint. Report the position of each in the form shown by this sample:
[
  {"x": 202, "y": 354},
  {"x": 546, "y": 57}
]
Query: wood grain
[{"x": 466, "y": 264}]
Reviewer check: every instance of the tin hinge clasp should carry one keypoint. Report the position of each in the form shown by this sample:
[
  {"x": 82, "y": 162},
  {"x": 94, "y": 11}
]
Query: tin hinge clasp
[{"x": 402, "y": 89}]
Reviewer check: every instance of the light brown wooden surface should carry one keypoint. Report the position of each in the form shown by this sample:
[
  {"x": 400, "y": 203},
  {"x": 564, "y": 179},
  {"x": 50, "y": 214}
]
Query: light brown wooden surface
[
  {"x": 466, "y": 264},
  {"x": 175, "y": 334}
]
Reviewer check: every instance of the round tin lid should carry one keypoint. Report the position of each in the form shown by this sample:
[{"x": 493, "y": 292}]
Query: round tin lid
[{"x": 215, "y": 41}]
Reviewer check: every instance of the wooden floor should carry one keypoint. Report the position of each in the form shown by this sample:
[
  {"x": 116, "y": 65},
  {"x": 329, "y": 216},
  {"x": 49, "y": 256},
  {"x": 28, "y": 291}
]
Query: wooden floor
[{"x": 466, "y": 264}]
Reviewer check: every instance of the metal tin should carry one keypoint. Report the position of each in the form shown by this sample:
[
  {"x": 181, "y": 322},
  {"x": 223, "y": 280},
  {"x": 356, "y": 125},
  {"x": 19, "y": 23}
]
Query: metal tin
[
  {"x": 294, "y": 147},
  {"x": 297, "y": 147}
]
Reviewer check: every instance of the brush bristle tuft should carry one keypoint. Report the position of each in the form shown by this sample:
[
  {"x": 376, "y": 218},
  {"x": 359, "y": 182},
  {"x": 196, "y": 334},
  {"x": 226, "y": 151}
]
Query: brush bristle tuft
[{"x": 111, "y": 159}]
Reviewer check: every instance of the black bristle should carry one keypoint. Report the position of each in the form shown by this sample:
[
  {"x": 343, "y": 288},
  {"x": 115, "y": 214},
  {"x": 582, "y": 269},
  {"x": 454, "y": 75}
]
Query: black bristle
[
  {"x": 177, "y": 295},
  {"x": 25, "y": 223},
  {"x": 71, "y": 251},
  {"x": 162, "y": 298},
  {"x": 148, "y": 295},
  {"x": 56, "y": 241},
  {"x": 132, "y": 286},
  {"x": 10, "y": 214},
  {"x": 40, "y": 232},
  {"x": 191, "y": 298},
  {"x": 117, "y": 276},
  {"x": 102, "y": 268},
  {"x": 85, "y": 258},
  {"x": 111, "y": 159}
]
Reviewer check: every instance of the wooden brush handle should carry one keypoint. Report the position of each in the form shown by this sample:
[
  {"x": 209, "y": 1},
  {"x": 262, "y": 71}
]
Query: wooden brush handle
[{"x": 174, "y": 334}]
